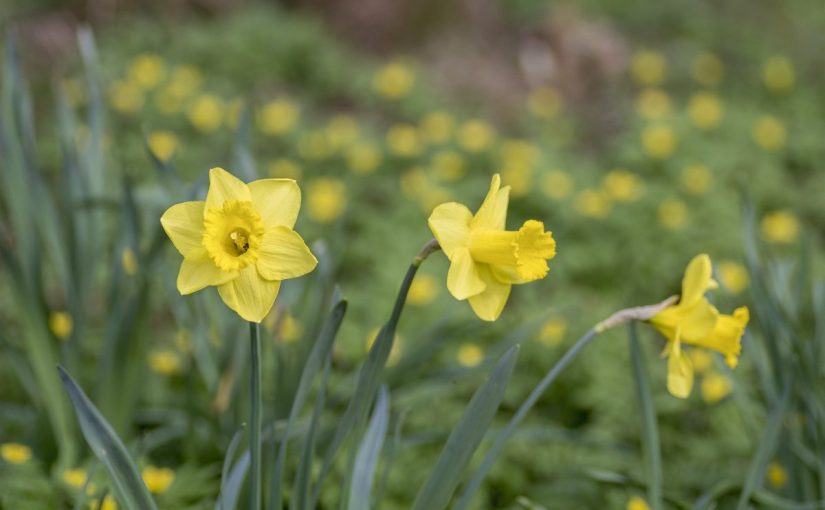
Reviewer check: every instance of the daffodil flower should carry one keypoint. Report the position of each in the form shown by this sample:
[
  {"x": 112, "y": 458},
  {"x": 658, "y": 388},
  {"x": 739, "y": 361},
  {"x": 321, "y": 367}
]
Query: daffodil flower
[
  {"x": 485, "y": 259},
  {"x": 694, "y": 321},
  {"x": 240, "y": 240}
]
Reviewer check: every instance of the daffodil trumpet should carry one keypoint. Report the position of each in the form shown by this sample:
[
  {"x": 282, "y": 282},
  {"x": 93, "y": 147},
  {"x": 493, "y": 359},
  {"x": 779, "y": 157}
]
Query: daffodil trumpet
[{"x": 485, "y": 259}]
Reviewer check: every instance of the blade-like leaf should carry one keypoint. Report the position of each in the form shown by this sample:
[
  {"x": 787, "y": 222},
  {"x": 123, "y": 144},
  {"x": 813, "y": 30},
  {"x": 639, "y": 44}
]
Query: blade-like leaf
[
  {"x": 229, "y": 494},
  {"x": 109, "y": 449},
  {"x": 465, "y": 437},
  {"x": 367, "y": 457}
]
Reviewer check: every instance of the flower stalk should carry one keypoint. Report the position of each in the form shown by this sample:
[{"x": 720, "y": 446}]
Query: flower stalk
[{"x": 255, "y": 416}]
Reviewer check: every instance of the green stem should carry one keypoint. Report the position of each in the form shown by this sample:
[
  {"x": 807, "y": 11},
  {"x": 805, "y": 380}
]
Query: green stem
[
  {"x": 255, "y": 420},
  {"x": 650, "y": 431},
  {"x": 525, "y": 407}
]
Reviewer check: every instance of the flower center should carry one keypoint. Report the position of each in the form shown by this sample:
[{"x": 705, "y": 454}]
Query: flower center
[
  {"x": 232, "y": 234},
  {"x": 526, "y": 250}
]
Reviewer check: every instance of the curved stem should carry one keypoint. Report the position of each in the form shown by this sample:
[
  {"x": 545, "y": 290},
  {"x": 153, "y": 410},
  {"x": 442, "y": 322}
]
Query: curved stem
[{"x": 255, "y": 419}]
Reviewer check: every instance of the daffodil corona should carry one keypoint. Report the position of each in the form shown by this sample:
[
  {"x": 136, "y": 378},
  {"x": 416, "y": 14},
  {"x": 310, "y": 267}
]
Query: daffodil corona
[
  {"x": 694, "y": 321},
  {"x": 240, "y": 240},
  {"x": 485, "y": 259}
]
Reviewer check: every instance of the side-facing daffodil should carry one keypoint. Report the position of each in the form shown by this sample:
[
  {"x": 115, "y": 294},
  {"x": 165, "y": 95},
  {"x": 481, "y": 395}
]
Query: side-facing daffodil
[
  {"x": 694, "y": 321},
  {"x": 240, "y": 240},
  {"x": 485, "y": 259}
]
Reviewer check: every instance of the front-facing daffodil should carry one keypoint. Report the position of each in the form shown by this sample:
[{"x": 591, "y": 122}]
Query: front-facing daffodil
[
  {"x": 485, "y": 259},
  {"x": 240, "y": 240},
  {"x": 694, "y": 321}
]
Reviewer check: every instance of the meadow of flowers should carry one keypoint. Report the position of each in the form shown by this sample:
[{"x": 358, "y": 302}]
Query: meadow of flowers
[{"x": 266, "y": 270}]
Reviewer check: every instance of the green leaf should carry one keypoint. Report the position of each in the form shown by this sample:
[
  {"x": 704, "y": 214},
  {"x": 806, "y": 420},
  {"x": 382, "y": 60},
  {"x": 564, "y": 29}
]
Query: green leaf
[
  {"x": 231, "y": 482},
  {"x": 109, "y": 449},
  {"x": 765, "y": 450},
  {"x": 650, "y": 431},
  {"x": 465, "y": 437},
  {"x": 367, "y": 457}
]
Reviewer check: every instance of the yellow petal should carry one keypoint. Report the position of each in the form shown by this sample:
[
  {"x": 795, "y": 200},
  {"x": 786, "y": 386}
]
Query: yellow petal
[
  {"x": 250, "y": 295},
  {"x": 276, "y": 200},
  {"x": 283, "y": 254},
  {"x": 489, "y": 304},
  {"x": 696, "y": 321},
  {"x": 697, "y": 279},
  {"x": 198, "y": 271},
  {"x": 450, "y": 224},
  {"x": 679, "y": 372},
  {"x": 224, "y": 186},
  {"x": 492, "y": 215},
  {"x": 183, "y": 224},
  {"x": 463, "y": 279}
]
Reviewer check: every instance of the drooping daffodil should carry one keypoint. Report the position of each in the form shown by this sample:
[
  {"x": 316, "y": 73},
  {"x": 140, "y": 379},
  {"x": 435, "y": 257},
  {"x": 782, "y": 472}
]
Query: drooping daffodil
[
  {"x": 485, "y": 259},
  {"x": 694, "y": 321},
  {"x": 241, "y": 239}
]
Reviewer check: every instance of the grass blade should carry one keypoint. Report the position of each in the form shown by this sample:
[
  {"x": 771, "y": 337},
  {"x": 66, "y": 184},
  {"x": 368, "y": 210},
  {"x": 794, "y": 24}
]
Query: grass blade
[
  {"x": 465, "y": 437},
  {"x": 764, "y": 453},
  {"x": 109, "y": 449},
  {"x": 225, "y": 501},
  {"x": 367, "y": 457},
  {"x": 650, "y": 430}
]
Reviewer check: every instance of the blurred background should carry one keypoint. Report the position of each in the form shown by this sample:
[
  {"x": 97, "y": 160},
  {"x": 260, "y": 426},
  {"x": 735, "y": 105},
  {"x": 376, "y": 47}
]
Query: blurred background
[{"x": 637, "y": 131}]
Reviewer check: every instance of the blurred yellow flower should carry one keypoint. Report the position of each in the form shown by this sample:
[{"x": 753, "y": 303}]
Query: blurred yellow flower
[
  {"x": 637, "y": 503},
  {"x": 544, "y": 102},
  {"x": 165, "y": 362},
  {"x": 648, "y": 67},
  {"x": 241, "y": 239},
  {"x": 556, "y": 184},
  {"x": 403, "y": 140},
  {"x": 702, "y": 360},
  {"x": 696, "y": 179},
  {"x": 622, "y": 186},
  {"x": 658, "y": 141},
  {"x": 15, "y": 453},
  {"x": 475, "y": 135},
  {"x": 206, "y": 113},
  {"x": 75, "y": 477},
  {"x": 552, "y": 331},
  {"x": 128, "y": 261},
  {"x": 778, "y": 74},
  {"x": 147, "y": 70},
  {"x": 363, "y": 158},
  {"x": 163, "y": 144},
  {"x": 592, "y": 203},
  {"x": 414, "y": 182},
  {"x": 769, "y": 133},
  {"x": 520, "y": 177},
  {"x": 437, "y": 127},
  {"x": 157, "y": 480},
  {"x": 108, "y": 503},
  {"x": 394, "y": 81},
  {"x": 777, "y": 476},
  {"x": 733, "y": 276},
  {"x": 705, "y": 110},
  {"x": 694, "y": 321},
  {"x": 234, "y": 109},
  {"x": 448, "y": 166},
  {"x": 707, "y": 69},
  {"x": 342, "y": 130},
  {"x": 423, "y": 290},
  {"x": 284, "y": 168},
  {"x": 326, "y": 199},
  {"x": 519, "y": 152},
  {"x": 470, "y": 355},
  {"x": 780, "y": 227},
  {"x": 127, "y": 98},
  {"x": 61, "y": 325},
  {"x": 315, "y": 146},
  {"x": 673, "y": 214},
  {"x": 290, "y": 329},
  {"x": 485, "y": 259},
  {"x": 278, "y": 117},
  {"x": 715, "y": 387},
  {"x": 185, "y": 81},
  {"x": 652, "y": 104}
]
